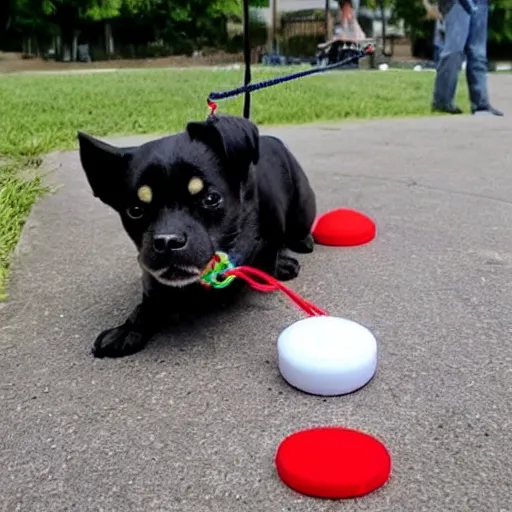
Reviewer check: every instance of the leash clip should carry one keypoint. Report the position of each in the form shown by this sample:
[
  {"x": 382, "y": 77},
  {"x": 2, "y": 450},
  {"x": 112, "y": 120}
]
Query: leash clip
[{"x": 212, "y": 106}]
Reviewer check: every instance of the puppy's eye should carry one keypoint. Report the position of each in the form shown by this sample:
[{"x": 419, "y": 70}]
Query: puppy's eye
[
  {"x": 212, "y": 200},
  {"x": 135, "y": 212}
]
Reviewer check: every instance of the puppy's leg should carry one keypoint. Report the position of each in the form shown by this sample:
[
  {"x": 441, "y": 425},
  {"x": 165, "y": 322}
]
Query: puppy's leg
[
  {"x": 276, "y": 260},
  {"x": 299, "y": 221},
  {"x": 133, "y": 335},
  {"x": 304, "y": 246},
  {"x": 301, "y": 214},
  {"x": 287, "y": 267}
]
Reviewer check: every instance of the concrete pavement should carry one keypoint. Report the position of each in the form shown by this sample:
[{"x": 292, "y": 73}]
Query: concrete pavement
[{"x": 191, "y": 424}]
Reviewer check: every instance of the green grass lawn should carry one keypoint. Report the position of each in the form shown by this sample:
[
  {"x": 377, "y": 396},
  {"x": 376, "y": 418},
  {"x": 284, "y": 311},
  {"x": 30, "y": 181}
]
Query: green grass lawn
[{"x": 41, "y": 113}]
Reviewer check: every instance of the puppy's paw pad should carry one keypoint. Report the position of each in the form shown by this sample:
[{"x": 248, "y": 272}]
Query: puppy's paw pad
[
  {"x": 287, "y": 268},
  {"x": 118, "y": 342}
]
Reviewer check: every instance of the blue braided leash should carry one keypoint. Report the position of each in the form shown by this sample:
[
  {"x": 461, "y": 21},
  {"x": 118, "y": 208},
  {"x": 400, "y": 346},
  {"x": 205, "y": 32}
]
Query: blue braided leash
[{"x": 286, "y": 78}]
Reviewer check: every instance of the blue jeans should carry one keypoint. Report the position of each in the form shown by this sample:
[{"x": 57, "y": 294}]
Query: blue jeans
[
  {"x": 437, "y": 52},
  {"x": 465, "y": 37}
]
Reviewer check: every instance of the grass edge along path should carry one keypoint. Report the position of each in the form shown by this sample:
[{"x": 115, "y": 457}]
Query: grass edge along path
[
  {"x": 41, "y": 113},
  {"x": 21, "y": 185}
]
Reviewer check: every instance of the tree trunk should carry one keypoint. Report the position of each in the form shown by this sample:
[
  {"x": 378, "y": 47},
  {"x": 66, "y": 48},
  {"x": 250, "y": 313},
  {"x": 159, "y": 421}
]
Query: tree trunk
[
  {"x": 67, "y": 19},
  {"x": 74, "y": 46},
  {"x": 382, "y": 8},
  {"x": 109, "y": 40},
  {"x": 57, "y": 45},
  {"x": 275, "y": 14},
  {"x": 328, "y": 23},
  {"x": 65, "y": 50},
  {"x": 66, "y": 41}
]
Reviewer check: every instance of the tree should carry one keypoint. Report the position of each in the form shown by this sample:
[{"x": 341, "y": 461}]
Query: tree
[
  {"x": 38, "y": 18},
  {"x": 5, "y": 15},
  {"x": 500, "y": 22},
  {"x": 68, "y": 14},
  {"x": 182, "y": 23},
  {"x": 179, "y": 25},
  {"x": 28, "y": 22},
  {"x": 382, "y": 6}
]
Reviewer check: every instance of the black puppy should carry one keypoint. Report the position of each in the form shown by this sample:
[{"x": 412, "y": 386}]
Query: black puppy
[{"x": 217, "y": 186}]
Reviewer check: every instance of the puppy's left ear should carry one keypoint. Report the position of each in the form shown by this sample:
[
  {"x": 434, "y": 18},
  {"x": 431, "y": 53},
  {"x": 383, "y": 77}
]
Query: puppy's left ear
[{"x": 235, "y": 138}]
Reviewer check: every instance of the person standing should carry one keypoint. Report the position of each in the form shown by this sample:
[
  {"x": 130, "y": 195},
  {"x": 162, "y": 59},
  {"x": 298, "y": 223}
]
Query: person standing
[
  {"x": 438, "y": 39},
  {"x": 432, "y": 13},
  {"x": 465, "y": 24},
  {"x": 351, "y": 30}
]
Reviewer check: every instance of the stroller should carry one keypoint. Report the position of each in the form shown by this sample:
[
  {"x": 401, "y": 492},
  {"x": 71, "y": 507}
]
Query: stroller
[
  {"x": 335, "y": 51},
  {"x": 347, "y": 41}
]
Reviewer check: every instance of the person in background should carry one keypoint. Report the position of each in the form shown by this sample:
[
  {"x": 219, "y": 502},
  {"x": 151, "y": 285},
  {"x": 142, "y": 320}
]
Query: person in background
[
  {"x": 438, "y": 39},
  {"x": 466, "y": 31},
  {"x": 432, "y": 13},
  {"x": 351, "y": 30}
]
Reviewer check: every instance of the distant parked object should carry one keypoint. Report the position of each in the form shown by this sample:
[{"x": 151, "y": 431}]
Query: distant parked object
[{"x": 84, "y": 54}]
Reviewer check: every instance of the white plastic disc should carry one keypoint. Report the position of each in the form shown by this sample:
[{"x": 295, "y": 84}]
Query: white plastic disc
[{"x": 327, "y": 355}]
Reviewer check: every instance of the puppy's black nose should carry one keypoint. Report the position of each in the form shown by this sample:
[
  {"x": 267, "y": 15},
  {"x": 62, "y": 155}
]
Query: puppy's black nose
[{"x": 164, "y": 243}]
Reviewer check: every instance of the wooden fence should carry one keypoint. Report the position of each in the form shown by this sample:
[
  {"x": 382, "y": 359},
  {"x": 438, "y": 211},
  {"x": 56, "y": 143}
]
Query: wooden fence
[{"x": 302, "y": 27}]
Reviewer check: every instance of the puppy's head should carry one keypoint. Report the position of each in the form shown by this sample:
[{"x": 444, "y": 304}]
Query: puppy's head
[{"x": 181, "y": 197}]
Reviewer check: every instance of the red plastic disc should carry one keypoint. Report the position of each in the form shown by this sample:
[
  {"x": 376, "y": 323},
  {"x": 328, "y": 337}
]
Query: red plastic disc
[
  {"x": 343, "y": 227},
  {"x": 333, "y": 462}
]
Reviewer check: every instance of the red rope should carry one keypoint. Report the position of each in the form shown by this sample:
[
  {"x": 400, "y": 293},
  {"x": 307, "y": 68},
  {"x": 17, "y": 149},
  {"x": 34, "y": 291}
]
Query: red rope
[{"x": 265, "y": 283}]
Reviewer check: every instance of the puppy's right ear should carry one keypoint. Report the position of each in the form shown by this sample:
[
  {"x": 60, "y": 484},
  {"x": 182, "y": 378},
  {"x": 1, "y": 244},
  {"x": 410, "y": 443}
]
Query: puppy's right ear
[
  {"x": 235, "y": 138},
  {"x": 105, "y": 167}
]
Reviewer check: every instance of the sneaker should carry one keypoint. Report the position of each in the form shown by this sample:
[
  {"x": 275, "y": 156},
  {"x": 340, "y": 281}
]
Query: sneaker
[
  {"x": 449, "y": 109},
  {"x": 487, "y": 111}
]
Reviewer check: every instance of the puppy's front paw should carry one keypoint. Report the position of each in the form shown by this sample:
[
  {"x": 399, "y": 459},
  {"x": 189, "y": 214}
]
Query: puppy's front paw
[
  {"x": 118, "y": 342},
  {"x": 287, "y": 268}
]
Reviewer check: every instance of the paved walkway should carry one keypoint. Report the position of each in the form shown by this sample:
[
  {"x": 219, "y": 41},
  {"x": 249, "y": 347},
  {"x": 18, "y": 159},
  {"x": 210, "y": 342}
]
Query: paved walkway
[{"x": 191, "y": 423}]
